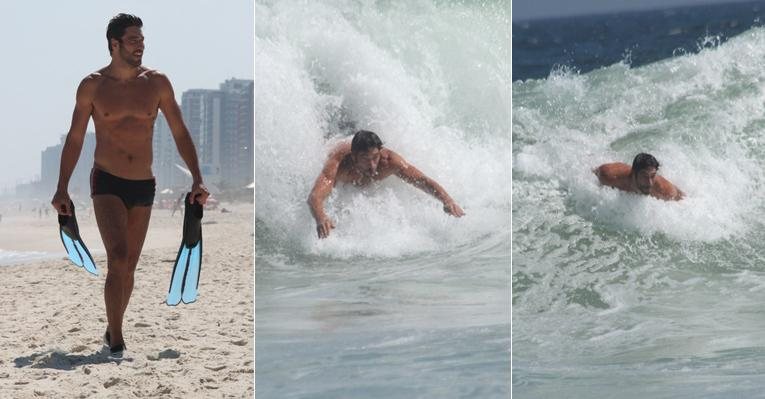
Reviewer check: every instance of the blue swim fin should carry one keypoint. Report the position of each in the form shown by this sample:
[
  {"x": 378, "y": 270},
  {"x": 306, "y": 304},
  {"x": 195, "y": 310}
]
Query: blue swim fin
[
  {"x": 76, "y": 250},
  {"x": 185, "y": 278}
]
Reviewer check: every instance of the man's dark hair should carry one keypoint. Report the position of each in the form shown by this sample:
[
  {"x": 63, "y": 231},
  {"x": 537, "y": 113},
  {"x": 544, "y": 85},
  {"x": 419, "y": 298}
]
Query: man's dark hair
[
  {"x": 364, "y": 141},
  {"x": 117, "y": 26},
  {"x": 643, "y": 161}
]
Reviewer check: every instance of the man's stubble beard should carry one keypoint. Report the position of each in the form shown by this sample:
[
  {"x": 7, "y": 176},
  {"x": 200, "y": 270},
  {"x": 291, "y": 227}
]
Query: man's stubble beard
[{"x": 130, "y": 60}]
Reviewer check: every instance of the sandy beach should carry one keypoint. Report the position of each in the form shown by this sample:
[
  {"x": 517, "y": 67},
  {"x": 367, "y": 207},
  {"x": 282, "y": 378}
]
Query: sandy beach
[{"x": 53, "y": 314}]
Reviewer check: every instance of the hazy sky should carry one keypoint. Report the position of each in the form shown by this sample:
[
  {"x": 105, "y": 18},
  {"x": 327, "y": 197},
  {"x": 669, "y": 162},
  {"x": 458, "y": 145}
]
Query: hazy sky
[
  {"x": 534, "y": 9},
  {"x": 48, "y": 47}
]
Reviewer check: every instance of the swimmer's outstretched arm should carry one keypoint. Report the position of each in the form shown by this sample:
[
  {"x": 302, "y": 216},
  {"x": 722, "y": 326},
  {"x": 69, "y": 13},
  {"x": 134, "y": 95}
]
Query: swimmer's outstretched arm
[
  {"x": 668, "y": 191},
  {"x": 413, "y": 176},
  {"x": 321, "y": 190}
]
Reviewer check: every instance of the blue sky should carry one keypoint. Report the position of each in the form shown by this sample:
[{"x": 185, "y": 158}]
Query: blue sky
[
  {"x": 534, "y": 9},
  {"x": 48, "y": 47}
]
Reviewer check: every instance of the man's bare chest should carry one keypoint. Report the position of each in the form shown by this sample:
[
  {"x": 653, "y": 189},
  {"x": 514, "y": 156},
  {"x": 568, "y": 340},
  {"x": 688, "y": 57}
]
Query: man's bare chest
[
  {"x": 114, "y": 101},
  {"x": 357, "y": 178}
]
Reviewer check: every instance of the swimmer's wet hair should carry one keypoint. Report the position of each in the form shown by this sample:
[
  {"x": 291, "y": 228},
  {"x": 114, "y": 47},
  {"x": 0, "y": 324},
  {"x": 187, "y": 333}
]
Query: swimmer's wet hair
[
  {"x": 364, "y": 141},
  {"x": 643, "y": 161},
  {"x": 117, "y": 26}
]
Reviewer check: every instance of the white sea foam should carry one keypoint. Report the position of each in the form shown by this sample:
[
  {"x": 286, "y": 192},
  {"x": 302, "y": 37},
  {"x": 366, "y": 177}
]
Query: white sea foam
[
  {"x": 10, "y": 257},
  {"x": 443, "y": 105},
  {"x": 630, "y": 282},
  {"x": 700, "y": 115}
]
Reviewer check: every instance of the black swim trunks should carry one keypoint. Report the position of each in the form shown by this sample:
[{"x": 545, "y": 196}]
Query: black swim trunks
[{"x": 131, "y": 192}]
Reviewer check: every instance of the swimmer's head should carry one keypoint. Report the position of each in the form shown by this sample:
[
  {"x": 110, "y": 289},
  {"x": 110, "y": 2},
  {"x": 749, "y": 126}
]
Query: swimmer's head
[
  {"x": 644, "y": 169},
  {"x": 117, "y": 27},
  {"x": 365, "y": 152}
]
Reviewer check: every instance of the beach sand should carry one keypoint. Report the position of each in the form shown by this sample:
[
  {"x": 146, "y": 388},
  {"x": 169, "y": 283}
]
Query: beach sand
[{"x": 53, "y": 315}]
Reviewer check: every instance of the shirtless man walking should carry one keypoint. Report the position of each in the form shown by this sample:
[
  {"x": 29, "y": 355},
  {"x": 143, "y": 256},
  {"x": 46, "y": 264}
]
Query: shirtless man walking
[
  {"x": 361, "y": 162},
  {"x": 123, "y": 99},
  {"x": 640, "y": 178}
]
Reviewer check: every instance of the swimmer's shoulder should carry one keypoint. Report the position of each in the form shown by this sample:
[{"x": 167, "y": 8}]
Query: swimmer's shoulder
[
  {"x": 666, "y": 190},
  {"x": 612, "y": 171},
  {"x": 156, "y": 78},
  {"x": 93, "y": 79},
  {"x": 339, "y": 158},
  {"x": 340, "y": 150},
  {"x": 86, "y": 90}
]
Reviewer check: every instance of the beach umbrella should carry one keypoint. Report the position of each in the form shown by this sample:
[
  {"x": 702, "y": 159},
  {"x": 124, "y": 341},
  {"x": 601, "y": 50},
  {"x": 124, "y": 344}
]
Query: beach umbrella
[{"x": 184, "y": 170}]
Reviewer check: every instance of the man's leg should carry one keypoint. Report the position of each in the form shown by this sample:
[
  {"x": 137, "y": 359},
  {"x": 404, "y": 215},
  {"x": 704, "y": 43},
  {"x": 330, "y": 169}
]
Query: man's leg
[
  {"x": 123, "y": 232},
  {"x": 138, "y": 224}
]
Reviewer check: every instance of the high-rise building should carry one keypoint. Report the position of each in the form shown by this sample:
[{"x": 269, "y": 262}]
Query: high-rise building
[
  {"x": 166, "y": 158},
  {"x": 221, "y": 125},
  {"x": 202, "y": 113},
  {"x": 237, "y": 136}
]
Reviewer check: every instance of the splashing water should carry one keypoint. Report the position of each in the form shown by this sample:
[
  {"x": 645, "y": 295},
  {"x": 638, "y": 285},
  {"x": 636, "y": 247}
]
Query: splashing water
[{"x": 399, "y": 288}]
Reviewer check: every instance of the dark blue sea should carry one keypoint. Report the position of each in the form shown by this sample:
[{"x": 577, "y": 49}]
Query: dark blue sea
[
  {"x": 616, "y": 295},
  {"x": 586, "y": 43}
]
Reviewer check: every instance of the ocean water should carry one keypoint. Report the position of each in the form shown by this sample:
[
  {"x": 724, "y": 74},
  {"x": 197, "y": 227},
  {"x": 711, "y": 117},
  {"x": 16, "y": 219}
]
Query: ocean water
[
  {"x": 619, "y": 295},
  {"x": 8, "y": 257},
  {"x": 402, "y": 300},
  {"x": 586, "y": 43}
]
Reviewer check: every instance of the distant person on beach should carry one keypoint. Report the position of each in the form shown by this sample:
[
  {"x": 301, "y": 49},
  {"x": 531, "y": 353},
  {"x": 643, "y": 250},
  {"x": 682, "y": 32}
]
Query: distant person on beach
[
  {"x": 360, "y": 162},
  {"x": 640, "y": 178},
  {"x": 177, "y": 205},
  {"x": 123, "y": 98}
]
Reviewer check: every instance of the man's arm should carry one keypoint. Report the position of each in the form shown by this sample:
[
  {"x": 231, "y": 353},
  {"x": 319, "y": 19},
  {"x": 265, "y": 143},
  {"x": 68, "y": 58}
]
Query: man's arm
[
  {"x": 596, "y": 171},
  {"x": 667, "y": 191},
  {"x": 321, "y": 189},
  {"x": 83, "y": 109},
  {"x": 613, "y": 175},
  {"x": 603, "y": 174},
  {"x": 183, "y": 142},
  {"x": 413, "y": 176}
]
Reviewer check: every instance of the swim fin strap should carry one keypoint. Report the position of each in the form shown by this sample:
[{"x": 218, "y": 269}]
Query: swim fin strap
[
  {"x": 185, "y": 278},
  {"x": 76, "y": 250}
]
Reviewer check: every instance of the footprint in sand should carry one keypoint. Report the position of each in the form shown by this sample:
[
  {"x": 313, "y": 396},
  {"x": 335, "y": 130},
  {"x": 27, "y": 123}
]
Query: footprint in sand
[
  {"x": 165, "y": 354},
  {"x": 162, "y": 390},
  {"x": 112, "y": 382},
  {"x": 79, "y": 348}
]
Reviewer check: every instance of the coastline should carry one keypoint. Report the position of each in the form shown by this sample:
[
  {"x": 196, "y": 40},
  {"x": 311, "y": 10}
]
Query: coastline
[{"x": 51, "y": 342}]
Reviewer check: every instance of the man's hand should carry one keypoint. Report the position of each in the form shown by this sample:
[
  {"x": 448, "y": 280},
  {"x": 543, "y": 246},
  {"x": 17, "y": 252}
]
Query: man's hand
[
  {"x": 679, "y": 194},
  {"x": 61, "y": 202},
  {"x": 324, "y": 226},
  {"x": 199, "y": 189},
  {"x": 453, "y": 209}
]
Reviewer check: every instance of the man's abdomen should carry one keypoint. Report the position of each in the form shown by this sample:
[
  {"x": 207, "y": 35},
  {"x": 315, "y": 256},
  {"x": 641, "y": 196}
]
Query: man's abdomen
[{"x": 127, "y": 154}]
